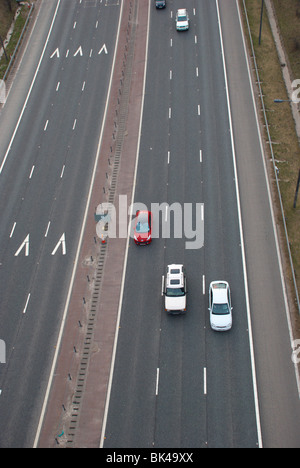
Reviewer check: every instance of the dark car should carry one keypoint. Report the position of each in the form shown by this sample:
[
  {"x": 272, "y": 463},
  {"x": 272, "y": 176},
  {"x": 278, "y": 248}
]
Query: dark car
[{"x": 160, "y": 3}]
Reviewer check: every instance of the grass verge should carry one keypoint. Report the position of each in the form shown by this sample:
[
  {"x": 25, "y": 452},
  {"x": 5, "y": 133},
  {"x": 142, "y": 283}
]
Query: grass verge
[
  {"x": 281, "y": 123},
  {"x": 6, "y": 21}
]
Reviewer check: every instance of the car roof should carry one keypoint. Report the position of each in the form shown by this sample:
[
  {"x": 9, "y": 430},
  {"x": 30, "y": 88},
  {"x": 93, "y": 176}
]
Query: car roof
[
  {"x": 174, "y": 267},
  {"x": 220, "y": 289},
  {"x": 175, "y": 275},
  {"x": 143, "y": 215}
]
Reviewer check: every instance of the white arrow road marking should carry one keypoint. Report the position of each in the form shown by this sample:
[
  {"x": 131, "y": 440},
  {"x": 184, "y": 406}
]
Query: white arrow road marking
[
  {"x": 78, "y": 51},
  {"x": 56, "y": 52},
  {"x": 24, "y": 244},
  {"x": 103, "y": 48},
  {"x": 61, "y": 242}
]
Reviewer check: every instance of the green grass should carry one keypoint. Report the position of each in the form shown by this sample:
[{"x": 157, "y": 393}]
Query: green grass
[
  {"x": 288, "y": 15},
  {"x": 5, "y": 22},
  {"x": 6, "y": 16}
]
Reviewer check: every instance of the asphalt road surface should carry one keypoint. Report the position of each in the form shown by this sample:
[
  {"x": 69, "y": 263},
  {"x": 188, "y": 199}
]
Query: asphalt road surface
[
  {"x": 176, "y": 383},
  {"x": 46, "y": 169}
]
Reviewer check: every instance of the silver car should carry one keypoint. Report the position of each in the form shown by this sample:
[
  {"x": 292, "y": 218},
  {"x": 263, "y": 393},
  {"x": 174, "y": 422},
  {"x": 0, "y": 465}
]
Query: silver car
[{"x": 220, "y": 306}]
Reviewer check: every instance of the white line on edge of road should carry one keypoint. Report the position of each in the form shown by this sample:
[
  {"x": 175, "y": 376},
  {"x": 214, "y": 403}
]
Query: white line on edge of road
[{"x": 258, "y": 424}]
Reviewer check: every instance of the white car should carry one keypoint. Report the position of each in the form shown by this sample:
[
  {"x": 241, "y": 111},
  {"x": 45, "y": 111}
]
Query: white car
[
  {"x": 182, "y": 20},
  {"x": 174, "y": 289},
  {"x": 220, "y": 306}
]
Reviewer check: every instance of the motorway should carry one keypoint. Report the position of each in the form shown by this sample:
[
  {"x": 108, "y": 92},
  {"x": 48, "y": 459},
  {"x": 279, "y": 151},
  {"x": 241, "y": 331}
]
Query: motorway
[
  {"x": 185, "y": 385},
  {"x": 44, "y": 186},
  {"x": 176, "y": 383}
]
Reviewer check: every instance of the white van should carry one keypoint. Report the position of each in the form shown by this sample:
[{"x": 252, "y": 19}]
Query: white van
[{"x": 174, "y": 289}]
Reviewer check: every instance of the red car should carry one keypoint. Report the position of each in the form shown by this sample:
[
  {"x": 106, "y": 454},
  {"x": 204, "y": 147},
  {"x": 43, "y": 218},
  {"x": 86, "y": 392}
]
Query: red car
[{"x": 143, "y": 228}]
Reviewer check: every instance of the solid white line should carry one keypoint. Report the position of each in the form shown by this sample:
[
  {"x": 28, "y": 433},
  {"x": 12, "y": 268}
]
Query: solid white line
[
  {"x": 253, "y": 366},
  {"x": 62, "y": 326},
  {"x": 30, "y": 90},
  {"x": 127, "y": 246},
  {"x": 157, "y": 381}
]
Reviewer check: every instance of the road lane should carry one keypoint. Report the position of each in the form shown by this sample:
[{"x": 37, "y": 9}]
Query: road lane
[
  {"x": 44, "y": 186},
  {"x": 277, "y": 383},
  {"x": 191, "y": 100}
]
